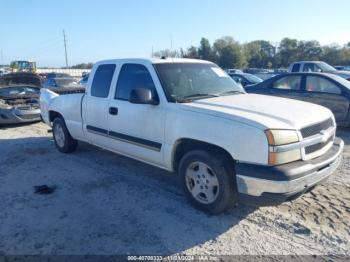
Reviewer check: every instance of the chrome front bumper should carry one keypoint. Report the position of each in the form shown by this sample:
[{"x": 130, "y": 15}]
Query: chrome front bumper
[{"x": 288, "y": 179}]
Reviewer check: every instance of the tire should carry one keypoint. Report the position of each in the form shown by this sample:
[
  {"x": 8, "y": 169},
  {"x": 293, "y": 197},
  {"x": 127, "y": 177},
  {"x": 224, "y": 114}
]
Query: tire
[
  {"x": 220, "y": 194},
  {"x": 64, "y": 142}
]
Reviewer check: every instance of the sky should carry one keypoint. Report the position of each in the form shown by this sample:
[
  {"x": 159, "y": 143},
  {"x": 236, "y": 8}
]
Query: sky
[{"x": 105, "y": 29}]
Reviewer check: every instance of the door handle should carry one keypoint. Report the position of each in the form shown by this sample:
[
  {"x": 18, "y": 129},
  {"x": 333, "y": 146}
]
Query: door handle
[{"x": 113, "y": 111}]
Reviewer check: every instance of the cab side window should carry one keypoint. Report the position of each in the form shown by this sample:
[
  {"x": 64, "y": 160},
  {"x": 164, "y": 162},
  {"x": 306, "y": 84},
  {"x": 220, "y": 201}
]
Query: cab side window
[
  {"x": 133, "y": 76},
  {"x": 288, "y": 83},
  {"x": 102, "y": 80}
]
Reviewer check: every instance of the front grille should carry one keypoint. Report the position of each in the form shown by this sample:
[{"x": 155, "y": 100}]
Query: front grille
[
  {"x": 319, "y": 146},
  {"x": 316, "y": 128}
]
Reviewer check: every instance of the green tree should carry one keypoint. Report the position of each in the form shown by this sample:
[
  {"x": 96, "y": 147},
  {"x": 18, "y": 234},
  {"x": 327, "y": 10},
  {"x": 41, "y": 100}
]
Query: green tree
[
  {"x": 288, "y": 52},
  {"x": 192, "y": 52},
  {"x": 167, "y": 53},
  {"x": 259, "y": 53},
  {"x": 309, "y": 50},
  {"x": 346, "y": 56},
  {"x": 331, "y": 54},
  {"x": 205, "y": 50},
  {"x": 228, "y": 53}
]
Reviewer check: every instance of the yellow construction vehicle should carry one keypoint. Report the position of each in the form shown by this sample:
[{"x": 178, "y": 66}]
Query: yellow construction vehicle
[{"x": 23, "y": 66}]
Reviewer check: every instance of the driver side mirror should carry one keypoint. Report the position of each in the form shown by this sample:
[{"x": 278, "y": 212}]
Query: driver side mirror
[{"x": 142, "y": 96}]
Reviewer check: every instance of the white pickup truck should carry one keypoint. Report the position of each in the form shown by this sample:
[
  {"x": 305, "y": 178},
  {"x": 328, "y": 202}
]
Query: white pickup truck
[{"x": 188, "y": 116}]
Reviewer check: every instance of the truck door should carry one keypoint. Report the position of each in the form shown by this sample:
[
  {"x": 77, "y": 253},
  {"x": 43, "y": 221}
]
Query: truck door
[
  {"x": 95, "y": 105},
  {"x": 136, "y": 130}
]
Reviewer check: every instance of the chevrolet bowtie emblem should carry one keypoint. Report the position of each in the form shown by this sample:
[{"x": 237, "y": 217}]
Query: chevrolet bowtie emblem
[{"x": 324, "y": 136}]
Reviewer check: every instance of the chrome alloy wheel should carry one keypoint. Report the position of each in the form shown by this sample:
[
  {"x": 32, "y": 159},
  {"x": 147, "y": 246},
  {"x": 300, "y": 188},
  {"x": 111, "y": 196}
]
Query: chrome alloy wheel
[
  {"x": 59, "y": 135},
  {"x": 202, "y": 182}
]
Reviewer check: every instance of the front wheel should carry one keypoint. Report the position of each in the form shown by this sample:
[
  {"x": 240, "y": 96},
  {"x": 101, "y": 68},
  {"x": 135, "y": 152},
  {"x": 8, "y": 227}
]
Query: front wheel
[
  {"x": 208, "y": 181},
  {"x": 64, "y": 142}
]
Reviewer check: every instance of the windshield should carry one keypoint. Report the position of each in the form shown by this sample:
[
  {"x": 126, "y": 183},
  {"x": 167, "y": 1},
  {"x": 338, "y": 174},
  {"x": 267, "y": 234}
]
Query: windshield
[
  {"x": 253, "y": 79},
  {"x": 195, "y": 81},
  {"x": 65, "y": 81},
  {"x": 326, "y": 67}
]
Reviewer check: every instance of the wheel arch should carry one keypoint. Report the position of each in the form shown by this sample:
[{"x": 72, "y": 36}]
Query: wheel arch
[
  {"x": 184, "y": 145},
  {"x": 54, "y": 114}
]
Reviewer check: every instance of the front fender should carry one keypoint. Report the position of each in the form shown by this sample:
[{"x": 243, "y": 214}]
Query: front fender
[{"x": 245, "y": 143}]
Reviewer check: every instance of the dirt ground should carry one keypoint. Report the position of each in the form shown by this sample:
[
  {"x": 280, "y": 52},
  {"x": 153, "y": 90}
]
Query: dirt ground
[{"x": 108, "y": 204}]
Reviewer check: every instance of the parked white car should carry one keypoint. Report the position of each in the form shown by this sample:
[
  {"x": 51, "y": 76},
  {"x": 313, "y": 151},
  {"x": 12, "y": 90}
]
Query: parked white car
[{"x": 188, "y": 116}]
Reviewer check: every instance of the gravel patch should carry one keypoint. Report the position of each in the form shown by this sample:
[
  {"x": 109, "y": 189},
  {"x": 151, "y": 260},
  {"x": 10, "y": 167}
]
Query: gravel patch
[{"x": 108, "y": 204}]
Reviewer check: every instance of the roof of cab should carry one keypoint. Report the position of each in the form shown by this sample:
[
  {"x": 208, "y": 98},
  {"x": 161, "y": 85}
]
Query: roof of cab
[{"x": 153, "y": 60}]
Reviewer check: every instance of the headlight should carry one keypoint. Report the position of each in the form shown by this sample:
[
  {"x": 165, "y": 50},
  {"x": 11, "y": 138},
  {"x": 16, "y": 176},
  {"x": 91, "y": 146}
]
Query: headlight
[{"x": 277, "y": 138}]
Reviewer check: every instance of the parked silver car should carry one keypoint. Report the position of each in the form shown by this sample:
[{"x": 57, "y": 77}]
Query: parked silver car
[{"x": 19, "y": 98}]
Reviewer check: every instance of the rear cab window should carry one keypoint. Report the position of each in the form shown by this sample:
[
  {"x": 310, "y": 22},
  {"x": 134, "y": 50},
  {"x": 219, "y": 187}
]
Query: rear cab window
[{"x": 102, "y": 80}]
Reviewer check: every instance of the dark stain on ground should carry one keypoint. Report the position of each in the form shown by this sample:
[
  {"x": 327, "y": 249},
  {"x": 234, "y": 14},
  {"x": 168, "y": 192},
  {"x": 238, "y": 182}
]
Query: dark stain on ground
[{"x": 36, "y": 151}]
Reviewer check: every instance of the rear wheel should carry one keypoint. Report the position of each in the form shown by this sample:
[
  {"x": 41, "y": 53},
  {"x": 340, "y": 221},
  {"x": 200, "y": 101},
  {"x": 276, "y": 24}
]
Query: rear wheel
[
  {"x": 64, "y": 142},
  {"x": 208, "y": 181}
]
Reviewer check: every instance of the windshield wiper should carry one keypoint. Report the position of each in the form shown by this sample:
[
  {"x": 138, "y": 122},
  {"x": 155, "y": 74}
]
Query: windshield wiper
[
  {"x": 231, "y": 92},
  {"x": 198, "y": 95}
]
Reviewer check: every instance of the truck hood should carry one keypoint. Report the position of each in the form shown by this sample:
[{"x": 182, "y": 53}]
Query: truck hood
[{"x": 261, "y": 111}]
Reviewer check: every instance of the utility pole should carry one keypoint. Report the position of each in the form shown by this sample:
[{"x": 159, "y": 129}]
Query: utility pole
[
  {"x": 275, "y": 50},
  {"x": 2, "y": 57},
  {"x": 65, "y": 47},
  {"x": 171, "y": 45}
]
